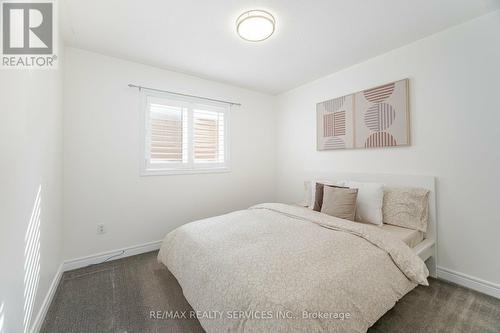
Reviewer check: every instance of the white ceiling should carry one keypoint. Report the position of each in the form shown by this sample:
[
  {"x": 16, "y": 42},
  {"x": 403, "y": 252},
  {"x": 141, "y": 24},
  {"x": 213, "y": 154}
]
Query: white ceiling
[{"x": 312, "y": 39}]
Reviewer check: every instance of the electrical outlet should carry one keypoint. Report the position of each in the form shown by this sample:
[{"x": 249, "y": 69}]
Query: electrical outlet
[{"x": 100, "y": 229}]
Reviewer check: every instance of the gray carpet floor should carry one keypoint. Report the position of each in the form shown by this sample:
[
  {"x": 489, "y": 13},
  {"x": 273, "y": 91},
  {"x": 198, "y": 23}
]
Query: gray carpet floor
[{"x": 118, "y": 296}]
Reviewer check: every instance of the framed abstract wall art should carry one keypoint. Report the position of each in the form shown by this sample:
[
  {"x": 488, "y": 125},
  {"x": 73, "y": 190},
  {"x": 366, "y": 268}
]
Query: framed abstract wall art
[{"x": 376, "y": 117}]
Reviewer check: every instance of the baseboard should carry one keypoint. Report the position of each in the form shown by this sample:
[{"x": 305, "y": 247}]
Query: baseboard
[
  {"x": 40, "y": 317},
  {"x": 470, "y": 282},
  {"x": 110, "y": 255}
]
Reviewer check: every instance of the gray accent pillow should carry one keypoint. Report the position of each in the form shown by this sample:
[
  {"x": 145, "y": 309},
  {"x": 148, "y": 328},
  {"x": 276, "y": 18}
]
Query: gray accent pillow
[
  {"x": 318, "y": 197},
  {"x": 339, "y": 202},
  {"x": 406, "y": 207}
]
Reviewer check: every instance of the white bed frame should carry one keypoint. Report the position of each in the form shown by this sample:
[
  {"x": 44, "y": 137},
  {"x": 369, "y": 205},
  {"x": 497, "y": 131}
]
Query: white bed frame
[{"x": 427, "y": 249}]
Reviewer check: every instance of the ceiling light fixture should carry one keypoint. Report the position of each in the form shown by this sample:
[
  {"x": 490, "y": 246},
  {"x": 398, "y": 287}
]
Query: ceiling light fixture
[{"x": 255, "y": 25}]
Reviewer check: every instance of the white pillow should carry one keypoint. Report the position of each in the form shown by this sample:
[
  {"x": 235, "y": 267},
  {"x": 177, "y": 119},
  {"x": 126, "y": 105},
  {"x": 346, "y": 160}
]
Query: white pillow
[
  {"x": 306, "y": 202},
  {"x": 369, "y": 202}
]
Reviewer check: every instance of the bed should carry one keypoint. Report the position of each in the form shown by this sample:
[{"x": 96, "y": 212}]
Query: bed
[{"x": 285, "y": 268}]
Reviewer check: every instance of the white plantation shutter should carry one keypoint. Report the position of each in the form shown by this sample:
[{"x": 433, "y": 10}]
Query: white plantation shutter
[
  {"x": 184, "y": 136},
  {"x": 167, "y": 140},
  {"x": 208, "y": 143}
]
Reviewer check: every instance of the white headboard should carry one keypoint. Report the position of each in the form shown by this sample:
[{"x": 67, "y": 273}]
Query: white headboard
[{"x": 427, "y": 182}]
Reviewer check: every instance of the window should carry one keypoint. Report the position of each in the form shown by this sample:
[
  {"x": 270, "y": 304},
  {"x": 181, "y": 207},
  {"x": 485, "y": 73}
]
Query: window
[{"x": 184, "y": 135}]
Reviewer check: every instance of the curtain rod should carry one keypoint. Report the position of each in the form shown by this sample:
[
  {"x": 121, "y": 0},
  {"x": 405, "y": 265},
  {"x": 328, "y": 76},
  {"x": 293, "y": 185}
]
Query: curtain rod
[{"x": 185, "y": 95}]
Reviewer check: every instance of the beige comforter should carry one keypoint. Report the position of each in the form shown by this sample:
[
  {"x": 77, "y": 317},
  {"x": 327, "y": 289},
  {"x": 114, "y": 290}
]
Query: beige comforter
[{"x": 282, "y": 268}]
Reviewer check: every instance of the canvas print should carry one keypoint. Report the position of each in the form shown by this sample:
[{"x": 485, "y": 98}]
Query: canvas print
[
  {"x": 335, "y": 123},
  {"x": 376, "y": 117},
  {"x": 382, "y": 118}
]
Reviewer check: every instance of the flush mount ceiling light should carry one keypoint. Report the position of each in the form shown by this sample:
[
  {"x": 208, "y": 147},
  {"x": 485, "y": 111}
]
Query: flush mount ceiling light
[{"x": 255, "y": 25}]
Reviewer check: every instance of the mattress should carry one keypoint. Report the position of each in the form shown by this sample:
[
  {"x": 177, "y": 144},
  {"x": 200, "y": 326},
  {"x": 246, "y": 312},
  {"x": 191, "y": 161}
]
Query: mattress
[{"x": 409, "y": 236}]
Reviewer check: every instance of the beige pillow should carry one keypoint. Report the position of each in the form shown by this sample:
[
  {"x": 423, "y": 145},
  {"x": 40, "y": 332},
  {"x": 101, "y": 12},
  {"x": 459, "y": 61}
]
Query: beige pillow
[
  {"x": 339, "y": 202},
  {"x": 406, "y": 207},
  {"x": 318, "y": 198}
]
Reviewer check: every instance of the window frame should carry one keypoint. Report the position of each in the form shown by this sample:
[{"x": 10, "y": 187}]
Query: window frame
[{"x": 178, "y": 168}]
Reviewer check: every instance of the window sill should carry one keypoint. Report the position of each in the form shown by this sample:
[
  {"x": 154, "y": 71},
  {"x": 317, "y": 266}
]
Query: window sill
[{"x": 172, "y": 172}]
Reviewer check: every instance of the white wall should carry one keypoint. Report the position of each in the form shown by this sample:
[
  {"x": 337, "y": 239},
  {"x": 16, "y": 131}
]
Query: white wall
[
  {"x": 102, "y": 151},
  {"x": 31, "y": 159},
  {"x": 455, "y": 117}
]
